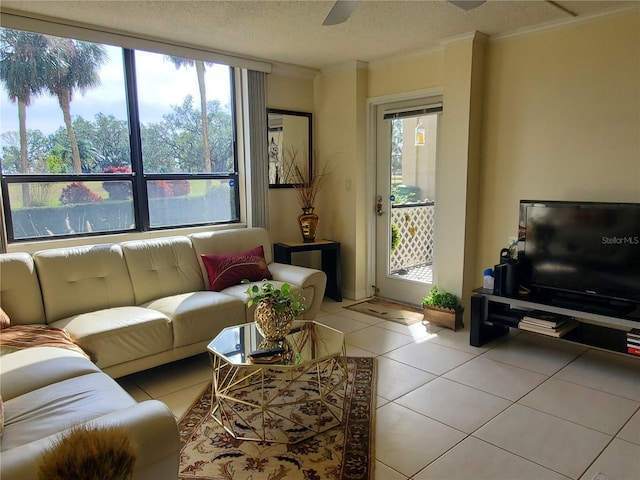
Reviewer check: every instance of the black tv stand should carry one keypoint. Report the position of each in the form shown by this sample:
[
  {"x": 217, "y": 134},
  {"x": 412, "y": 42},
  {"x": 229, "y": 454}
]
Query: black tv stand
[
  {"x": 493, "y": 315},
  {"x": 607, "y": 307},
  {"x": 600, "y": 307}
]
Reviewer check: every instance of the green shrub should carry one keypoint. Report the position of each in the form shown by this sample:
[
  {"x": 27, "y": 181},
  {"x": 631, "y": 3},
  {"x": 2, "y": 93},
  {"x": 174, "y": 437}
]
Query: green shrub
[
  {"x": 395, "y": 237},
  {"x": 118, "y": 190}
]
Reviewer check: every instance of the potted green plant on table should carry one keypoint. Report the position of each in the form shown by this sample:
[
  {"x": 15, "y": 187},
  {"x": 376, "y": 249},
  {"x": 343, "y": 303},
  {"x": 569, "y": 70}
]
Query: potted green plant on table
[
  {"x": 443, "y": 309},
  {"x": 276, "y": 308}
]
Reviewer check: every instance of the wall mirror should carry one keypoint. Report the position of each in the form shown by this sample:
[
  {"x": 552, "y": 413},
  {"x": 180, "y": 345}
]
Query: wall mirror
[{"x": 290, "y": 145}]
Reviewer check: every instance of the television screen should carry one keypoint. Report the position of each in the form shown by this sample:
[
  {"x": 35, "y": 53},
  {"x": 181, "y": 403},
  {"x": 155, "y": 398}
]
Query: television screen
[{"x": 587, "y": 248}]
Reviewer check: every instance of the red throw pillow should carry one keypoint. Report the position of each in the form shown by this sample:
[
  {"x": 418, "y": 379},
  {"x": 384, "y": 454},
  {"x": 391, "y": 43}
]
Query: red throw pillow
[{"x": 230, "y": 269}]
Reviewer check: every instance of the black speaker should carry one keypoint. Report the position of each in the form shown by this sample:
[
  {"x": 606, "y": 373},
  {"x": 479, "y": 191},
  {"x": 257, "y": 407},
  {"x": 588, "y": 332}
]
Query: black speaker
[{"x": 507, "y": 278}]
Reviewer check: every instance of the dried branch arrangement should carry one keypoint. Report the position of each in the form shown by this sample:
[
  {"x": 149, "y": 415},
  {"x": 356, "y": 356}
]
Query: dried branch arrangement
[{"x": 307, "y": 182}]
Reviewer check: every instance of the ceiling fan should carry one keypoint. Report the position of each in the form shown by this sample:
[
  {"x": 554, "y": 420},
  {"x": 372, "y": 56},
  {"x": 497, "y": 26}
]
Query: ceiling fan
[{"x": 342, "y": 9}]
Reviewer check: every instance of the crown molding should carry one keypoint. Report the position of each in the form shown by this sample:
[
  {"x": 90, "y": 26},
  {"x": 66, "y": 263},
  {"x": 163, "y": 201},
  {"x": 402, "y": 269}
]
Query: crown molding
[
  {"x": 564, "y": 23},
  {"x": 464, "y": 38},
  {"x": 427, "y": 52},
  {"x": 296, "y": 71},
  {"x": 347, "y": 66}
]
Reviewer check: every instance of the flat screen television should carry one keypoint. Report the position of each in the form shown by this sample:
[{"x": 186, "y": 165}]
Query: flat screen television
[{"x": 584, "y": 248}]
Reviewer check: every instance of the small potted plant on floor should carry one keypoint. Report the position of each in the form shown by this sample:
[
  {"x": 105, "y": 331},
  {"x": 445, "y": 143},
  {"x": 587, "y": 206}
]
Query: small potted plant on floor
[
  {"x": 276, "y": 308},
  {"x": 443, "y": 309}
]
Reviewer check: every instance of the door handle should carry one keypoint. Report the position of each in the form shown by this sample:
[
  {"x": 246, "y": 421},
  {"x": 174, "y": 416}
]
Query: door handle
[{"x": 379, "y": 211}]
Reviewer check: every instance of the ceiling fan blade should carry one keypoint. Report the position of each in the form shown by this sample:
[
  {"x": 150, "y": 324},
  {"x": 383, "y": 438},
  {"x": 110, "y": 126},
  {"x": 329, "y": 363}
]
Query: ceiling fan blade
[
  {"x": 340, "y": 12},
  {"x": 467, "y": 4}
]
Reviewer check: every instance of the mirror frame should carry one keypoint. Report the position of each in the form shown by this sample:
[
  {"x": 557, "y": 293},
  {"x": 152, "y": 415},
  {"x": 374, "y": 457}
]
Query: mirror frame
[{"x": 309, "y": 142}]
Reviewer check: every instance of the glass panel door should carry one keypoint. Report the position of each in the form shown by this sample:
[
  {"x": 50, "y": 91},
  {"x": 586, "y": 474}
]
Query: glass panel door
[{"x": 405, "y": 201}]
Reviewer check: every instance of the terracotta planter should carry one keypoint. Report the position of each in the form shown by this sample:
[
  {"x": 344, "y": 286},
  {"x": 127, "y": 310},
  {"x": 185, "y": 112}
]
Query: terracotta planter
[{"x": 444, "y": 317}]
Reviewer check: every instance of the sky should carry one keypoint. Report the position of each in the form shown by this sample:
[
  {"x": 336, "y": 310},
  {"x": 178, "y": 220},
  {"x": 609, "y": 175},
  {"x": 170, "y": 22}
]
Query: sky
[{"x": 159, "y": 86}]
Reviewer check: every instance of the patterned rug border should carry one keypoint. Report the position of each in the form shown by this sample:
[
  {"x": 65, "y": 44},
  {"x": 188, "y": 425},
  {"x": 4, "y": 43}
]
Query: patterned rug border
[
  {"x": 358, "y": 307},
  {"x": 353, "y": 455}
]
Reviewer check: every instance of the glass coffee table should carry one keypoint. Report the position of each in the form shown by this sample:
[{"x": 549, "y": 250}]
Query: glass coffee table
[{"x": 298, "y": 396}]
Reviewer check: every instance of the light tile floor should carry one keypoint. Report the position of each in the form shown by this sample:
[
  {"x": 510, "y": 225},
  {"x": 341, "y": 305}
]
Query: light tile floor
[{"x": 522, "y": 407}]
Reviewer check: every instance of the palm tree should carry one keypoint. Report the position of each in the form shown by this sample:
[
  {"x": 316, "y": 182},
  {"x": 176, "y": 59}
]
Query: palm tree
[
  {"x": 200, "y": 68},
  {"x": 77, "y": 68},
  {"x": 23, "y": 68}
]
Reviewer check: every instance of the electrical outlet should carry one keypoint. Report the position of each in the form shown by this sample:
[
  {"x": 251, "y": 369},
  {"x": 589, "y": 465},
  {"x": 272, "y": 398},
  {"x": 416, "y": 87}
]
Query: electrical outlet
[{"x": 347, "y": 184}]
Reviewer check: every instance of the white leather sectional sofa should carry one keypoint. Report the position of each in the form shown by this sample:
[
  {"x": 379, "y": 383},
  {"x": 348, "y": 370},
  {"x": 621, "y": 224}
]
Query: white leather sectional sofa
[{"x": 132, "y": 306}]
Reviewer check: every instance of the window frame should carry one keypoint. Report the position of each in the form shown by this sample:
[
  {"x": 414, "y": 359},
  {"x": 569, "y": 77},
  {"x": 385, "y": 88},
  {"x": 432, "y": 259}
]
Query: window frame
[{"x": 138, "y": 177}]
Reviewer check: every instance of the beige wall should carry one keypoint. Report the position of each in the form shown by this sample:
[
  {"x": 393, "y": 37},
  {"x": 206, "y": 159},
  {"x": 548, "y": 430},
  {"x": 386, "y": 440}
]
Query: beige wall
[
  {"x": 340, "y": 95},
  {"x": 553, "y": 114},
  {"x": 288, "y": 90},
  {"x": 456, "y": 219},
  {"x": 561, "y": 121},
  {"x": 406, "y": 74},
  {"x": 451, "y": 70}
]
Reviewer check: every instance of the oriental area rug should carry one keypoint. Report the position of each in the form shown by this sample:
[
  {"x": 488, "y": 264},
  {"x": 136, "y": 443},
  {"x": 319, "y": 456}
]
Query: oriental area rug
[
  {"x": 392, "y": 311},
  {"x": 340, "y": 453}
]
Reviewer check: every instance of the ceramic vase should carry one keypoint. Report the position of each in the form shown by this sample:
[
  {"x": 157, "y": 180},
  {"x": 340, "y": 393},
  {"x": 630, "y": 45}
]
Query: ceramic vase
[{"x": 308, "y": 224}]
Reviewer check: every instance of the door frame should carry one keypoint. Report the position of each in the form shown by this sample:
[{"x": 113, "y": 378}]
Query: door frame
[{"x": 373, "y": 103}]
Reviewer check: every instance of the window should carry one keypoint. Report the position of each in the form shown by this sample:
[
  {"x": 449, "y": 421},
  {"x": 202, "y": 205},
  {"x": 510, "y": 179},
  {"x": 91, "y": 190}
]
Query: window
[{"x": 99, "y": 139}]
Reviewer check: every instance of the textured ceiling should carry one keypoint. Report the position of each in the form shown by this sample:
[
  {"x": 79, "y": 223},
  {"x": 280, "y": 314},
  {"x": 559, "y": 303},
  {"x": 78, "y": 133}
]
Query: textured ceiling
[{"x": 292, "y": 32}]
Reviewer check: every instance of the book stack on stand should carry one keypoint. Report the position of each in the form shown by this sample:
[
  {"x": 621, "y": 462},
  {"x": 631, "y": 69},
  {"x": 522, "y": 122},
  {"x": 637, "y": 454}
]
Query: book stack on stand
[
  {"x": 633, "y": 341},
  {"x": 546, "y": 323}
]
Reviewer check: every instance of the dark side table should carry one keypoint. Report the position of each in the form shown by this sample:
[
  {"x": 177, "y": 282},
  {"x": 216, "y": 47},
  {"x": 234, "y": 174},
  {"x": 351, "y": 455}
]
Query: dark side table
[{"x": 330, "y": 261}]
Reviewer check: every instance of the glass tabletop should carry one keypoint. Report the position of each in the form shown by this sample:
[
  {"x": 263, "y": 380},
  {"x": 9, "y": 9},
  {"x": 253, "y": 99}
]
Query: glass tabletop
[{"x": 308, "y": 341}]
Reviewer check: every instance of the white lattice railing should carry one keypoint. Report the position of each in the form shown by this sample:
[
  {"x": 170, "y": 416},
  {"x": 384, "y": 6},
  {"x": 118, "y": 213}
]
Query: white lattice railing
[{"x": 415, "y": 223}]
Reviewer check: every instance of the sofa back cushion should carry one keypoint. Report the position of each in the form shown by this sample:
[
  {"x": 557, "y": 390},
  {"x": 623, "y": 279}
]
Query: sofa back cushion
[
  {"x": 162, "y": 267},
  {"x": 20, "y": 294},
  {"x": 231, "y": 241},
  {"x": 83, "y": 279}
]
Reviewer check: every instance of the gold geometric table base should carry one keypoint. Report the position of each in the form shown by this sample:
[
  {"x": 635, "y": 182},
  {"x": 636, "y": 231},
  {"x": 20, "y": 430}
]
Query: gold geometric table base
[{"x": 279, "y": 404}]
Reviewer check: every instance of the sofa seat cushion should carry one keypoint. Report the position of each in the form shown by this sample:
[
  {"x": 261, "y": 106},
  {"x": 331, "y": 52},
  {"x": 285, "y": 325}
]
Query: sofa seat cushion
[
  {"x": 33, "y": 368},
  {"x": 57, "y": 407},
  {"x": 120, "y": 334},
  {"x": 199, "y": 316}
]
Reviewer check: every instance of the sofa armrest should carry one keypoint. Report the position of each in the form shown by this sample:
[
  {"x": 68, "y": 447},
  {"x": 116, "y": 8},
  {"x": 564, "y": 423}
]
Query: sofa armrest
[
  {"x": 153, "y": 430},
  {"x": 309, "y": 279}
]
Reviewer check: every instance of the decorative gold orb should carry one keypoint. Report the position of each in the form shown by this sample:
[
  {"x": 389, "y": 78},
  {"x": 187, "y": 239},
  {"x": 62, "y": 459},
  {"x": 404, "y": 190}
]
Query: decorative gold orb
[{"x": 273, "y": 325}]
